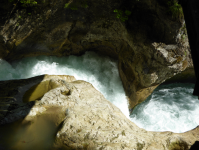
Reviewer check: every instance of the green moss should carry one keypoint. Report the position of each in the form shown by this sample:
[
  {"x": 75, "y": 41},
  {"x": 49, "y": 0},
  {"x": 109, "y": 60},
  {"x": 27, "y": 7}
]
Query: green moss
[
  {"x": 66, "y": 5},
  {"x": 175, "y": 9},
  {"x": 185, "y": 53},
  {"x": 183, "y": 32},
  {"x": 183, "y": 36},
  {"x": 25, "y": 3},
  {"x": 123, "y": 16}
]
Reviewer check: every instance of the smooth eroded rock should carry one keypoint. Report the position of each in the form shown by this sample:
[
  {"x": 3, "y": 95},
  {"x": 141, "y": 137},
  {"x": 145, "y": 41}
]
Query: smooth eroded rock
[{"x": 86, "y": 120}]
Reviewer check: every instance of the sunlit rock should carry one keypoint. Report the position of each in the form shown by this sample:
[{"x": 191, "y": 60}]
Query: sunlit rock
[
  {"x": 87, "y": 120},
  {"x": 150, "y": 48},
  {"x": 14, "y": 100}
]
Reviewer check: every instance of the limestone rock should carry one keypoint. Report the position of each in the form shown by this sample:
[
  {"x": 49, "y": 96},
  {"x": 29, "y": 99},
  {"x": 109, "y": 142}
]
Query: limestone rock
[
  {"x": 16, "y": 94},
  {"x": 151, "y": 46},
  {"x": 88, "y": 121}
]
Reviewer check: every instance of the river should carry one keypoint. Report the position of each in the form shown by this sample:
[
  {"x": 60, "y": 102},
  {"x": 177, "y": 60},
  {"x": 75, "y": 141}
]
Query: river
[{"x": 170, "y": 107}]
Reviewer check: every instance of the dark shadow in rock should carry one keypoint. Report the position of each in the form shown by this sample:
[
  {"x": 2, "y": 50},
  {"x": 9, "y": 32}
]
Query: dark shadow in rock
[
  {"x": 38, "y": 134},
  {"x": 12, "y": 107},
  {"x": 195, "y": 146},
  {"x": 13, "y": 110}
]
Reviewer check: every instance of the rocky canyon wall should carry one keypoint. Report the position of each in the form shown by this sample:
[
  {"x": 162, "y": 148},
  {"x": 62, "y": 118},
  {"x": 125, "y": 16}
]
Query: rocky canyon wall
[{"x": 151, "y": 45}]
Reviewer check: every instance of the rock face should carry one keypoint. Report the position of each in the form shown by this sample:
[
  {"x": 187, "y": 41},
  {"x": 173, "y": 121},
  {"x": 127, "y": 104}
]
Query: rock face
[
  {"x": 187, "y": 76},
  {"x": 86, "y": 119},
  {"x": 151, "y": 46},
  {"x": 18, "y": 96}
]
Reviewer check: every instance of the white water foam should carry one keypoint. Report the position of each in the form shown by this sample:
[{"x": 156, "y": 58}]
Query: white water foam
[
  {"x": 170, "y": 108},
  {"x": 102, "y": 72}
]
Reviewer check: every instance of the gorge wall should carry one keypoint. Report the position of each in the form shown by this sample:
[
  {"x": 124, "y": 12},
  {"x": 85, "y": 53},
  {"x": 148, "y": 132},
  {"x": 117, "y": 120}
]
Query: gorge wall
[{"x": 151, "y": 46}]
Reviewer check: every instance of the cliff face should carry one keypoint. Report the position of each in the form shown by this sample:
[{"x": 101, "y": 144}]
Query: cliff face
[{"x": 151, "y": 46}]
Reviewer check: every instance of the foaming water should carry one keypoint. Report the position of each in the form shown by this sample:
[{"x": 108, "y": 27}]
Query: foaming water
[
  {"x": 102, "y": 72},
  {"x": 170, "y": 108}
]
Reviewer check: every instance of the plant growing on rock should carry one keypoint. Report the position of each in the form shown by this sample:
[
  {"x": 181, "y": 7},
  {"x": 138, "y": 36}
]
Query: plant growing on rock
[
  {"x": 175, "y": 9},
  {"x": 25, "y": 3},
  {"x": 185, "y": 53},
  {"x": 123, "y": 16},
  {"x": 28, "y": 2}
]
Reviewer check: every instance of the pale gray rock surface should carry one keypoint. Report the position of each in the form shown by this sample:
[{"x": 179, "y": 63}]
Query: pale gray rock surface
[{"x": 87, "y": 120}]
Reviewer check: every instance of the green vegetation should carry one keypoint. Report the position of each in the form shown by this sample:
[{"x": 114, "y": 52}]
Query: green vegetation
[
  {"x": 123, "y": 16},
  {"x": 28, "y": 2},
  {"x": 66, "y": 5},
  {"x": 184, "y": 32},
  {"x": 183, "y": 37},
  {"x": 175, "y": 9},
  {"x": 72, "y": 7},
  {"x": 25, "y": 3},
  {"x": 185, "y": 53}
]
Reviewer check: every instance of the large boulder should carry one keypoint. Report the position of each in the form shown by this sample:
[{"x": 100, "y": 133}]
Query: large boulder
[
  {"x": 151, "y": 45},
  {"x": 86, "y": 120}
]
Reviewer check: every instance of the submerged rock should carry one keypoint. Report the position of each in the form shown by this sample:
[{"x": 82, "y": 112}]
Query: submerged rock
[{"x": 86, "y": 120}]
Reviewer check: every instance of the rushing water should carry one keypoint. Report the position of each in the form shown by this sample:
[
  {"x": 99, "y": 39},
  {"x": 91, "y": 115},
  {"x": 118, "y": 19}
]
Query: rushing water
[{"x": 170, "y": 108}]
